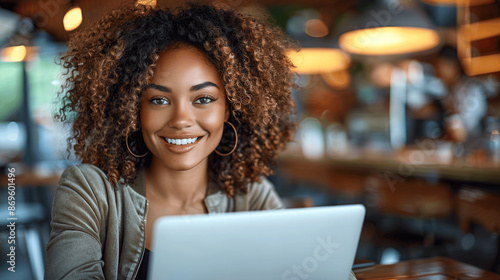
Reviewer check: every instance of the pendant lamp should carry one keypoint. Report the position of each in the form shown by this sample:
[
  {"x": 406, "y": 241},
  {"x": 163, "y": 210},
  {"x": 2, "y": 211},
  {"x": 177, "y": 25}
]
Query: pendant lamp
[
  {"x": 19, "y": 47},
  {"x": 389, "y": 30}
]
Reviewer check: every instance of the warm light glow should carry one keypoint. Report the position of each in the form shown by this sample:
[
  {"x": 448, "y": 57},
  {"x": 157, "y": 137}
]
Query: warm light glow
[
  {"x": 468, "y": 32},
  {"x": 316, "y": 28},
  {"x": 72, "y": 19},
  {"x": 151, "y": 3},
  {"x": 389, "y": 40},
  {"x": 19, "y": 53},
  {"x": 14, "y": 54},
  {"x": 463, "y": 46},
  {"x": 481, "y": 30},
  {"x": 380, "y": 75},
  {"x": 319, "y": 60},
  {"x": 481, "y": 64},
  {"x": 459, "y": 2},
  {"x": 337, "y": 80}
]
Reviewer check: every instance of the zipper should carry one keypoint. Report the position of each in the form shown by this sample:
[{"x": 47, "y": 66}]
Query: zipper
[{"x": 144, "y": 243}]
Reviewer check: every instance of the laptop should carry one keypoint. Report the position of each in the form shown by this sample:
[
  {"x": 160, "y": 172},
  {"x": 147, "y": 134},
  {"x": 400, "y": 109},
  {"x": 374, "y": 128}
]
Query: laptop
[{"x": 305, "y": 243}]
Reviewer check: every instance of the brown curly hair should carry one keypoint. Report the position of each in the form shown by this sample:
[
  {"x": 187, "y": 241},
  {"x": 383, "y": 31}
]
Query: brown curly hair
[{"x": 109, "y": 65}]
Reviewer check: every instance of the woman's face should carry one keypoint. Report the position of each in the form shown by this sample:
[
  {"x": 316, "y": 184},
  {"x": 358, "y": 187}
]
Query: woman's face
[{"x": 183, "y": 109}]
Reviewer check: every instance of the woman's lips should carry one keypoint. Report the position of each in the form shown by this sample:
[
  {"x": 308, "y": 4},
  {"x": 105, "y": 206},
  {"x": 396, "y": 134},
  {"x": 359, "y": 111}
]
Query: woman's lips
[{"x": 181, "y": 145}]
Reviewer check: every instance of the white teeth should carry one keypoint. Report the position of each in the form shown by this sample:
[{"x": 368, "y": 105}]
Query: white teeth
[{"x": 184, "y": 141}]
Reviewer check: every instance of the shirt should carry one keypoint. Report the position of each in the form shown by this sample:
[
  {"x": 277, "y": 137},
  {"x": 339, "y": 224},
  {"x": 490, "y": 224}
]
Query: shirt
[{"x": 99, "y": 231}]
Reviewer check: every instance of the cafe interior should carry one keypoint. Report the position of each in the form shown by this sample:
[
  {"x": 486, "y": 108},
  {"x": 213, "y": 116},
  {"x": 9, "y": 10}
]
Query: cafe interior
[{"x": 397, "y": 108}]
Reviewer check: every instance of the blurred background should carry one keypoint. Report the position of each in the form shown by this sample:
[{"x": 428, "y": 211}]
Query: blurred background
[{"x": 397, "y": 106}]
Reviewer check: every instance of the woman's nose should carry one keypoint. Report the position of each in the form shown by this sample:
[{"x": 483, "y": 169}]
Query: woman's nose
[{"x": 181, "y": 117}]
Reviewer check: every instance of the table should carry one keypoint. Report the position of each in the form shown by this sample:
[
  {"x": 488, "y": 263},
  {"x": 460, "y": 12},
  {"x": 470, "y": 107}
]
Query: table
[{"x": 438, "y": 268}]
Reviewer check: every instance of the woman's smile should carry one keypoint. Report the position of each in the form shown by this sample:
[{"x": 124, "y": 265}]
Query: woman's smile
[
  {"x": 181, "y": 141},
  {"x": 181, "y": 145}
]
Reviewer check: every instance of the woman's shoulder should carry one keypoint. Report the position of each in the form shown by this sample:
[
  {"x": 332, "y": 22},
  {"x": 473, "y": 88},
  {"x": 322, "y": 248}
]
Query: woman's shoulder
[
  {"x": 258, "y": 187},
  {"x": 84, "y": 176},
  {"x": 262, "y": 195},
  {"x": 84, "y": 169}
]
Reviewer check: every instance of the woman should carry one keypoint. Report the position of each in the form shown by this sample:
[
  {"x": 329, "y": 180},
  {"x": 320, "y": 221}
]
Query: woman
[{"x": 174, "y": 112}]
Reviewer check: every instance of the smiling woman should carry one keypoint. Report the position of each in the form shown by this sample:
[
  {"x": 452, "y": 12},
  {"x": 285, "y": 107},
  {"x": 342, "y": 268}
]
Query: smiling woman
[
  {"x": 174, "y": 112},
  {"x": 186, "y": 103}
]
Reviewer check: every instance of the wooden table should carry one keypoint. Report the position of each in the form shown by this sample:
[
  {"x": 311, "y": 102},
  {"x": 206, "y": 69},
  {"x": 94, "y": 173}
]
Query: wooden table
[{"x": 429, "y": 269}]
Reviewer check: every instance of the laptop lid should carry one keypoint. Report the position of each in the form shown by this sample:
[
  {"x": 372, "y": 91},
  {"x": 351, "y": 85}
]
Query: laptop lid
[{"x": 291, "y": 244}]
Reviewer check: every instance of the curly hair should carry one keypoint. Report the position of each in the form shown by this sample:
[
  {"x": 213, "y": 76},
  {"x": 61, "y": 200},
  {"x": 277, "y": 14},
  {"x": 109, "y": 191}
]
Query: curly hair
[{"x": 109, "y": 65}]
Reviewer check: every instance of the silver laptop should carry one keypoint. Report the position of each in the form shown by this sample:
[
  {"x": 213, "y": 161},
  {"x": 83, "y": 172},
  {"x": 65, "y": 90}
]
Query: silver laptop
[{"x": 306, "y": 243}]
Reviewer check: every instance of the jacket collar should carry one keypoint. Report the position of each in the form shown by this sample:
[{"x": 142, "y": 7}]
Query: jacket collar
[{"x": 213, "y": 200}]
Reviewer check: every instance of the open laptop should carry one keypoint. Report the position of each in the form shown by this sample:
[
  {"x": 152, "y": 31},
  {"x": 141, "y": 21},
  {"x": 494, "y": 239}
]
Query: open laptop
[{"x": 306, "y": 243}]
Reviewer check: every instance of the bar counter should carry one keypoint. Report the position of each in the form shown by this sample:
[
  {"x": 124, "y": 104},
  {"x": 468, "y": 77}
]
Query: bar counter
[{"x": 402, "y": 165}]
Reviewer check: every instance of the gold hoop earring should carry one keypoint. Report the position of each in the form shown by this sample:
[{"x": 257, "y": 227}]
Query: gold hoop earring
[
  {"x": 235, "y": 144},
  {"x": 130, "y": 151}
]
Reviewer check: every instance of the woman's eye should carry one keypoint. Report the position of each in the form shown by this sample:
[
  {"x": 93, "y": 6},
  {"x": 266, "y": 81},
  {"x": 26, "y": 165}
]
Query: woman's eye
[
  {"x": 205, "y": 100},
  {"x": 159, "y": 101}
]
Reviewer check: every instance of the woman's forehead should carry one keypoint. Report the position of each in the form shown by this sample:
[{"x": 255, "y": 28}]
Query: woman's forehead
[{"x": 187, "y": 64}]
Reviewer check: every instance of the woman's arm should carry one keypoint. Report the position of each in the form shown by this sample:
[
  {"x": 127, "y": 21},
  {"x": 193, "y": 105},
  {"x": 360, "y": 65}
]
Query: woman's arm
[{"x": 74, "y": 250}]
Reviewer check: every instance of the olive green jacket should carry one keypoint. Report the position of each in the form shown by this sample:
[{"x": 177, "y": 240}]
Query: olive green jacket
[{"x": 98, "y": 231}]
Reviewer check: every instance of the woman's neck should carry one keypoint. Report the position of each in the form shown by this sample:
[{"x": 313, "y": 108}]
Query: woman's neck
[{"x": 184, "y": 187}]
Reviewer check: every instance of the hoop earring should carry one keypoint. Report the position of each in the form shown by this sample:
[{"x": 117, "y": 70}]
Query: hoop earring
[
  {"x": 235, "y": 144},
  {"x": 130, "y": 151}
]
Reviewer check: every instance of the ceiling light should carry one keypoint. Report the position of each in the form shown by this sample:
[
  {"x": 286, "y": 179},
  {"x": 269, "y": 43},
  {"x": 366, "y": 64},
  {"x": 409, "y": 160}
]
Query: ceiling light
[
  {"x": 389, "y": 40},
  {"x": 19, "y": 46},
  {"x": 319, "y": 60},
  {"x": 14, "y": 54},
  {"x": 316, "y": 28},
  {"x": 73, "y": 18},
  {"x": 390, "y": 31}
]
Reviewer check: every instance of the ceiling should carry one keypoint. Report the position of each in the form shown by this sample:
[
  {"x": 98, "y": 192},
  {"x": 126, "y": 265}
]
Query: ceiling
[{"x": 49, "y": 14}]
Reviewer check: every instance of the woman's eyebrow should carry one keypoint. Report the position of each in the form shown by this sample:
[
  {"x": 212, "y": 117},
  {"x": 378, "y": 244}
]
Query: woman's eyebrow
[
  {"x": 203, "y": 85},
  {"x": 193, "y": 88},
  {"x": 158, "y": 87}
]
